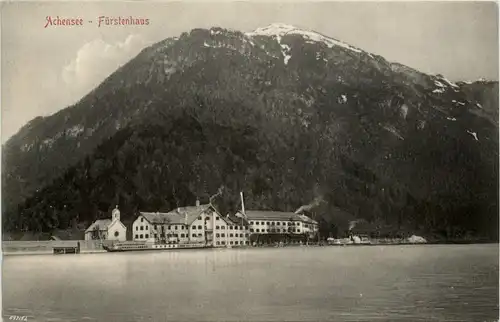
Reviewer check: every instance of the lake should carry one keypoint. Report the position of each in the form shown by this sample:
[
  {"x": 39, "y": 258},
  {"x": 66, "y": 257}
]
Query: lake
[{"x": 365, "y": 283}]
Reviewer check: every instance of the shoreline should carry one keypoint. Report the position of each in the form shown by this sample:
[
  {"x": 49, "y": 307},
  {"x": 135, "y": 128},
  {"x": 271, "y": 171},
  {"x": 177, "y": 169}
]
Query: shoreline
[{"x": 102, "y": 251}]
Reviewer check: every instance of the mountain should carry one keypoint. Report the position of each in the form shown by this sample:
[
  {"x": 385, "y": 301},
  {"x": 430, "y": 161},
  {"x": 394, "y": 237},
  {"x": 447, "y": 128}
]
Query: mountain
[{"x": 285, "y": 115}]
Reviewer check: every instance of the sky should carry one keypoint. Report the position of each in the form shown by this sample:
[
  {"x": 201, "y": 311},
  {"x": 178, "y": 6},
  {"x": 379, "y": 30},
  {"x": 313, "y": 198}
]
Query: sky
[{"x": 44, "y": 70}]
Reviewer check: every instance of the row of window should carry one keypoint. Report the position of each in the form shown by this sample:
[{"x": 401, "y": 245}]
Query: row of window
[
  {"x": 230, "y": 235},
  {"x": 182, "y": 227},
  {"x": 277, "y": 230},
  {"x": 171, "y": 235},
  {"x": 231, "y": 243},
  {"x": 231, "y": 227},
  {"x": 277, "y": 223},
  {"x": 194, "y": 227},
  {"x": 208, "y": 218}
]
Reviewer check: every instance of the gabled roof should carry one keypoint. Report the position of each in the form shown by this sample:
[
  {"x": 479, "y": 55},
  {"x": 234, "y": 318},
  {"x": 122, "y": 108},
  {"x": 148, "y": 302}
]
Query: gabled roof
[
  {"x": 119, "y": 222},
  {"x": 159, "y": 218},
  {"x": 101, "y": 223},
  {"x": 277, "y": 216},
  {"x": 176, "y": 216},
  {"x": 236, "y": 220},
  {"x": 304, "y": 218}
]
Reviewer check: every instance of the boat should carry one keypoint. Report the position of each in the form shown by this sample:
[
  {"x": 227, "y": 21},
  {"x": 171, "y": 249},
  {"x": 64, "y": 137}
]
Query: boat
[{"x": 143, "y": 246}]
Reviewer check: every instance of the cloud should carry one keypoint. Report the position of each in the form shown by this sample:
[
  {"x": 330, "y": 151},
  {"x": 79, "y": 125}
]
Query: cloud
[{"x": 96, "y": 60}]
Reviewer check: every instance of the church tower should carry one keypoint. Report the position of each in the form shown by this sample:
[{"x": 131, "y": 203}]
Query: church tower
[{"x": 115, "y": 215}]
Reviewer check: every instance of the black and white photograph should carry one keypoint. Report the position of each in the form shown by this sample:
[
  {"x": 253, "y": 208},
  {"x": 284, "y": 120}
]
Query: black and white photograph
[{"x": 249, "y": 161}]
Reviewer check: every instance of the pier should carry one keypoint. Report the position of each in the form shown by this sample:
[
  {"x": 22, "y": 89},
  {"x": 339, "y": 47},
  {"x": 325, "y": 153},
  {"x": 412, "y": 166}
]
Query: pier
[{"x": 66, "y": 247}]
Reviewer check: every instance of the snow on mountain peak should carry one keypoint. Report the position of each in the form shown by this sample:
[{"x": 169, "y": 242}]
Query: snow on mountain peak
[
  {"x": 273, "y": 30},
  {"x": 280, "y": 29}
]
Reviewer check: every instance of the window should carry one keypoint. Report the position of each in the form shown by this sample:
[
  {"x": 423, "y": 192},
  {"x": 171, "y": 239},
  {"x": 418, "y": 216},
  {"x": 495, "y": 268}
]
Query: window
[
  {"x": 142, "y": 236},
  {"x": 236, "y": 243},
  {"x": 246, "y": 242},
  {"x": 169, "y": 227},
  {"x": 142, "y": 227},
  {"x": 142, "y": 219},
  {"x": 147, "y": 235},
  {"x": 217, "y": 227},
  {"x": 136, "y": 228},
  {"x": 193, "y": 227},
  {"x": 199, "y": 218},
  {"x": 278, "y": 223},
  {"x": 223, "y": 242},
  {"x": 218, "y": 243},
  {"x": 199, "y": 227},
  {"x": 217, "y": 218},
  {"x": 251, "y": 223},
  {"x": 217, "y": 235},
  {"x": 223, "y": 235},
  {"x": 257, "y": 230},
  {"x": 241, "y": 235},
  {"x": 230, "y": 235},
  {"x": 246, "y": 235},
  {"x": 156, "y": 235},
  {"x": 267, "y": 230},
  {"x": 200, "y": 235},
  {"x": 155, "y": 226},
  {"x": 272, "y": 223},
  {"x": 230, "y": 242},
  {"x": 251, "y": 230},
  {"x": 262, "y": 223},
  {"x": 268, "y": 222},
  {"x": 136, "y": 236},
  {"x": 176, "y": 227},
  {"x": 257, "y": 223},
  {"x": 146, "y": 227},
  {"x": 193, "y": 235},
  {"x": 223, "y": 227},
  {"x": 182, "y": 235}
]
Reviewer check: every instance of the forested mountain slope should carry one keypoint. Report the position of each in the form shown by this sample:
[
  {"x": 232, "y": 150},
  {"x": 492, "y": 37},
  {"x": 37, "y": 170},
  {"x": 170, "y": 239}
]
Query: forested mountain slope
[{"x": 283, "y": 114}]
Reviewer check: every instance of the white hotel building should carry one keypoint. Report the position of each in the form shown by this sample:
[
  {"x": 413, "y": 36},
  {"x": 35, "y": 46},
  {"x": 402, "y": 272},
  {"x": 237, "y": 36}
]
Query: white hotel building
[
  {"x": 199, "y": 224},
  {"x": 287, "y": 224}
]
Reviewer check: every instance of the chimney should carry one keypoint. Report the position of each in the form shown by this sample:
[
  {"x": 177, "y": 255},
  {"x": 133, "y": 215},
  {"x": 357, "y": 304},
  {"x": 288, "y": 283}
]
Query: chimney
[
  {"x": 242, "y": 204},
  {"x": 185, "y": 219},
  {"x": 197, "y": 202}
]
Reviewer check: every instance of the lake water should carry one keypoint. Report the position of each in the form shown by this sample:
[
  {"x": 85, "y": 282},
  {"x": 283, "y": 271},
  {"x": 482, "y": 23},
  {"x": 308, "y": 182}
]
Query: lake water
[{"x": 377, "y": 283}]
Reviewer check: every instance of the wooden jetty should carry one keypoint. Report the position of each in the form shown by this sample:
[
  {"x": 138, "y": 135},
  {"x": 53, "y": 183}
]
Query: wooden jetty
[{"x": 66, "y": 247}]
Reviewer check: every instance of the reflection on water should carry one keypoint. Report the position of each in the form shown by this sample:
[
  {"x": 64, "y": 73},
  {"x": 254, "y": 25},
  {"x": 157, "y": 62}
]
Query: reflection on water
[{"x": 392, "y": 283}]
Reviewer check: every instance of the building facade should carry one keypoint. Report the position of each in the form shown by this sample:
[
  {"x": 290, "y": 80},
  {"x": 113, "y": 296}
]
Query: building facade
[
  {"x": 201, "y": 224},
  {"x": 107, "y": 229},
  {"x": 274, "y": 226}
]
